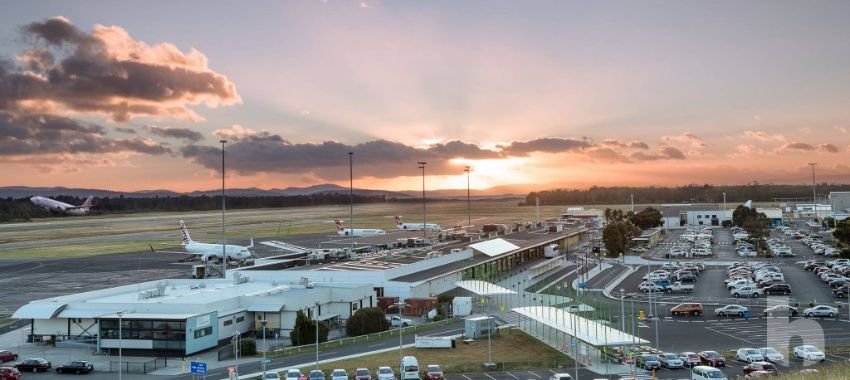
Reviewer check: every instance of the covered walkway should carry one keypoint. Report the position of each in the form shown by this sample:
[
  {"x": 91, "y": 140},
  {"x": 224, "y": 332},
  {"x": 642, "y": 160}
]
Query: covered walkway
[{"x": 595, "y": 345}]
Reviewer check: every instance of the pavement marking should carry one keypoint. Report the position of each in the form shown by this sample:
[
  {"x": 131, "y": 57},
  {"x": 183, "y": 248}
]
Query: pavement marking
[
  {"x": 467, "y": 377},
  {"x": 730, "y": 335},
  {"x": 538, "y": 376},
  {"x": 488, "y": 375},
  {"x": 512, "y": 375},
  {"x": 375, "y": 345}
]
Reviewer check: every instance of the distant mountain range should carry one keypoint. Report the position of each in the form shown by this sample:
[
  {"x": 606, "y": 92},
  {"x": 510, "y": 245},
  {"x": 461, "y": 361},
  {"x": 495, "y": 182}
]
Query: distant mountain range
[{"x": 25, "y": 191}]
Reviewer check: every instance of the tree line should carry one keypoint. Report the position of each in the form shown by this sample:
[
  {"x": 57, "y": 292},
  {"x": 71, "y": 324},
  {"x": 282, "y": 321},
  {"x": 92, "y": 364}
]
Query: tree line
[
  {"x": 688, "y": 194},
  {"x": 621, "y": 227},
  {"x": 21, "y": 209}
]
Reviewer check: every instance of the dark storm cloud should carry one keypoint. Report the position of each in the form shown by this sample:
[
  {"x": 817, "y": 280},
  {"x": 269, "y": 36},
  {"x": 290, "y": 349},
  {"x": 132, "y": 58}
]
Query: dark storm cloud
[
  {"x": 48, "y": 134},
  {"x": 105, "y": 71},
  {"x": 175, "y": 133}
]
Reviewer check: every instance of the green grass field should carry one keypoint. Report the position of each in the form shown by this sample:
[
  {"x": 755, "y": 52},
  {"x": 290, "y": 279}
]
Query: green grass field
[{"x": 511, "y": 350}]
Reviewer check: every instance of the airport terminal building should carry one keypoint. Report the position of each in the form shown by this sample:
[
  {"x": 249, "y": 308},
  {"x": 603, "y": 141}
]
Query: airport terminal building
[{"x": 179, "y": 317}]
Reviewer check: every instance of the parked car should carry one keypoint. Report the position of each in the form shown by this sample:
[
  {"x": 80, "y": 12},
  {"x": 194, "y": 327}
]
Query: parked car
[
  {"x": 761, "y": 366},
  {"x": 360, "y": 374},
  {"x": 746, "y": 291},
  {"x": 561, "y": 376},
  {"x": 433, "y": 372},
  {"x": 7, "y": 356},
  {"x": 316, "y": 375},
  {"x": 9, "y": 373},
  {"x": 687, "y": 308},
  {"x": 770, "y": 354},
  {"x": 271, "y": 376},
  {"x": 730, "y": 310},
  {"x": 701, "y": 372},
  {"x": 712, "y": 358},
  {"x": 841, "y": 292},
  {"x": 648, "y": 362},
  {"x": 820, "y": 311},
  {"x": 748, "y": 355},
  {"x": 33, "y": 365},
  {"x": 339, "y": 374},
  {"x": 647, "y": 287},
  {"x": 777, "y": 288},
  {"x": 690, "y": 359},
  {"x": 809, "y": 352},
  {"x": 780, "y": 310},
  {"x": 77, "y": 366},
  {"x": 295, "y": 374},
  {"x": 385, "y": 373},
  {"x": 671, "y": 361}
]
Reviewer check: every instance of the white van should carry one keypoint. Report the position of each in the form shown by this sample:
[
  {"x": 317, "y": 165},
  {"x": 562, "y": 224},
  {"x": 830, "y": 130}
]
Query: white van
[
  {"x": 409, "y": 368},
  {"x": 702, "y": 372}
]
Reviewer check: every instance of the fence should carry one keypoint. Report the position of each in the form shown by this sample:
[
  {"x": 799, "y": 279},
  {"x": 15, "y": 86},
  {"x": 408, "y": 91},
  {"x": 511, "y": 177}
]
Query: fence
[
  {"x": 138, "y": 367},
  {"x": 276, "y": 351}
]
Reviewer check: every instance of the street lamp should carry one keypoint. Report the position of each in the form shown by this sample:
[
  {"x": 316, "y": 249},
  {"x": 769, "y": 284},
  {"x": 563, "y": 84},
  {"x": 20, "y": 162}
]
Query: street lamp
[
  {"x": 317, "y": 333},
  {"x": 236, "y": 352},
  {"x": 468, "y": 203},
  {"x": 223, "y": 236},
  {"x": 400, "y": 306},
  {"x": 424, "y": 227},
  {"x": 622, "y": 309},
  {"x": 351, "y": 194},
  {"x": 120, "y": 335},
  {"x": 265, "y": 347},
  {"x": 489, "y": 334}
]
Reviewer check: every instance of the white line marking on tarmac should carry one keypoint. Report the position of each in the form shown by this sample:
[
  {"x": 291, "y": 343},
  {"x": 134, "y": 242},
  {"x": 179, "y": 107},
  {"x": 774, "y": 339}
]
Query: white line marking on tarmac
[
  {"x": 538, "y": 376},
  {"x": 512, "y": 375},
  {"x": 729, "y": 335},
  {"x": 488, "y": 375},
  {"x": 467, "y": 377}
]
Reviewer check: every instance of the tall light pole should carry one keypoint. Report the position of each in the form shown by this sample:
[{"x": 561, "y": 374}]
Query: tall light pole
[
  {"x": 317, "y": 334},
  {"x": 351, "y": 194},
  {"x": 424, "y": 227},
  {"x": 236, "y": 352},
  {"x": 265, "y": 347},
  {"x": 400, "y": 306},
  {"x": 622, "y": 310},
  {"x": 468, "y": 203},
  {"x": 223, "y": 236},
  {"x": 120, "y": 335},
  {"x": 814, "y": 196}
]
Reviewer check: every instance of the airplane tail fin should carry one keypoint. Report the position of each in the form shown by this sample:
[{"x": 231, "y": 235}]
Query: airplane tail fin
[
  {"x": 184, "y": 234},
  {"x": 152, "y": 250},
  {"x": 339, "y": 226},
  {"x": 748, "y": 204},
  {"x": 87, "y": 203},
  {"x": 398, "y": 222}
]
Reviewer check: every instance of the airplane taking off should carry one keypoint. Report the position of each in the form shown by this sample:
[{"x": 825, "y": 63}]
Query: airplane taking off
[
  {"x": 209, "y": 251},
  {"x": 356, "y": 232},
  {"x": 416, "y": 226},
  {"x": 54, "y": 205}
]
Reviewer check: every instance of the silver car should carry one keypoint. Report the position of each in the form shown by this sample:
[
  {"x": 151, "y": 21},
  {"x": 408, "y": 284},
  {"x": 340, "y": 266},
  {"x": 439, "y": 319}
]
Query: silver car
[{"x": 820, "y": 311}]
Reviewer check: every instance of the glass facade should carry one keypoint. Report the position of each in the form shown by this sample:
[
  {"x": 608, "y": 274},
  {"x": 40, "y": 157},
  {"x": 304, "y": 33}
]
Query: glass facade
[{"x": 166, "y": 335}]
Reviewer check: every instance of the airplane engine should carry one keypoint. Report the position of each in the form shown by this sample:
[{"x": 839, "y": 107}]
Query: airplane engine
[{"x": 209, "y": 258}]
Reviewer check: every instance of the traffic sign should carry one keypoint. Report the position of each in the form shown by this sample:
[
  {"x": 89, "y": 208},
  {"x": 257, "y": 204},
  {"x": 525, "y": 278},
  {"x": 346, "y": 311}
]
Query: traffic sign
[
  {"x": 267, "y": 361},
  {"x": 198, "y": 367}
]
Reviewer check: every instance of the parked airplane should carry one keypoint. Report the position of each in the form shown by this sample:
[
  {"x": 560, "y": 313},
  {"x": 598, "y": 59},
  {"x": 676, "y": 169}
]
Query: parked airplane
[
  {"x": 54, "y": 205},
  {"x": 356, "y": 232},
  {"x": 208, "y": 251},
  {"x": 416, "y": 226}
]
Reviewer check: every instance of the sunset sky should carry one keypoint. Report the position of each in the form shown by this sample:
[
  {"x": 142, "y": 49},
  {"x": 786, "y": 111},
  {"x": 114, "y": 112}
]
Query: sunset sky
[{"x": 132, "y": 95}]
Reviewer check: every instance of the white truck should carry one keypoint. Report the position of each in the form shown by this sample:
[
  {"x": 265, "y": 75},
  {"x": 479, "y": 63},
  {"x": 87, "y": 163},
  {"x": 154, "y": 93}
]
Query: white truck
[
  {"x": 679, "y": 287},
  {"x": 397, "y": 321}
]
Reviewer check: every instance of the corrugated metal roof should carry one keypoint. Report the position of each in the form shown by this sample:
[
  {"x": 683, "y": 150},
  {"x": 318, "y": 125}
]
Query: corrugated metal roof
[
  {"x": 266, "y": 308},
  {"x": 85, "y": 313},
  {"x": 39, "y": 311},
  {"x": 494, "y": 247},
  {"x": 483, "y": 288}
]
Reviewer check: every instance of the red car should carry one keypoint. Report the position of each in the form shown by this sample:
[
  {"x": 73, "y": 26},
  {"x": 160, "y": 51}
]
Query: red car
[
  {"x": 7, "y": 356},
  {"x": 712, "y": 358},
  {"x": 761, "y": 366},
  {"x": 362, "y": 374},
  {"x": 433, "y": 372},
  {"x": 9, "y": 373}
]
